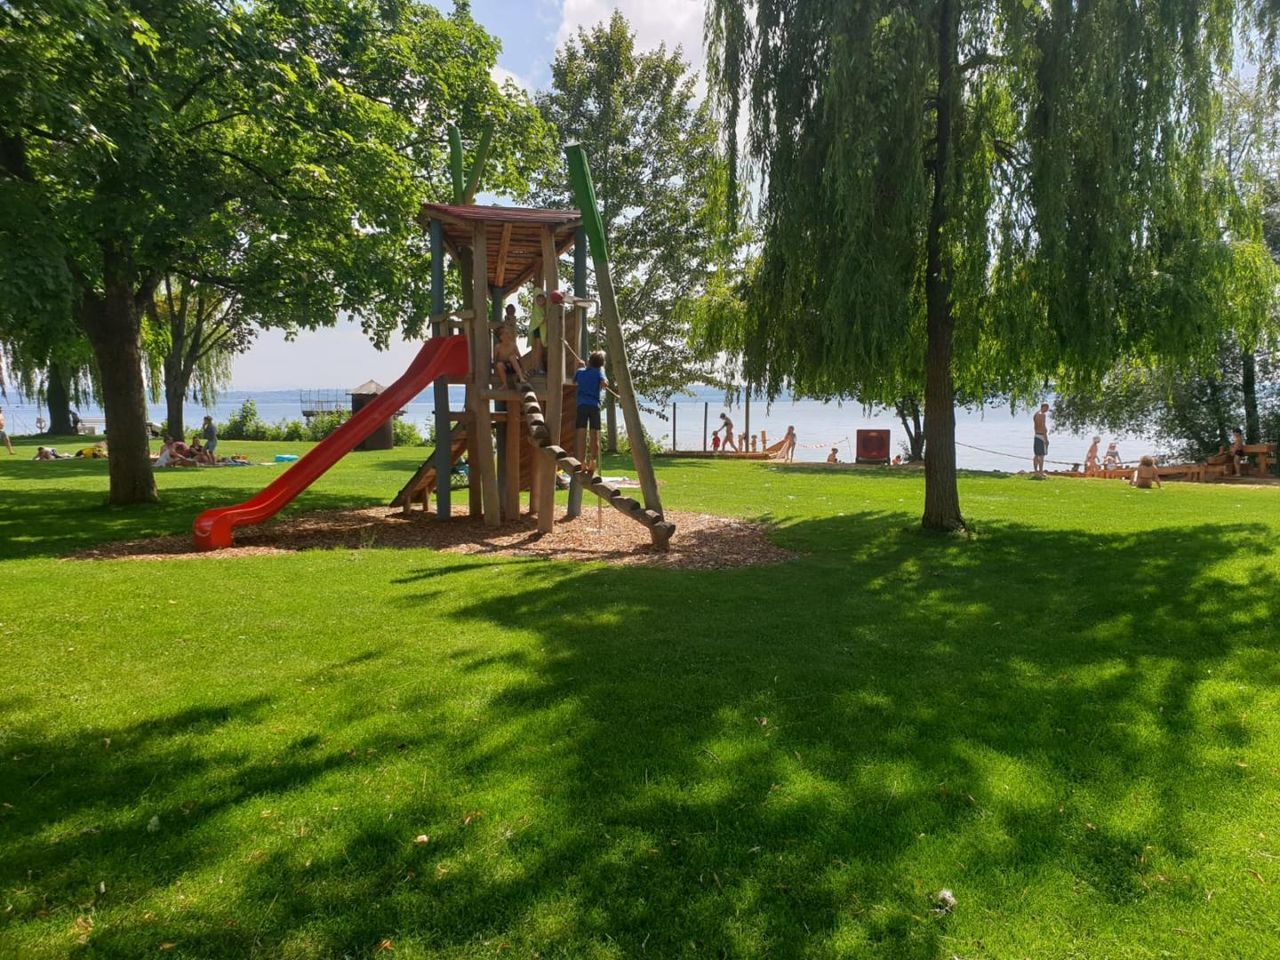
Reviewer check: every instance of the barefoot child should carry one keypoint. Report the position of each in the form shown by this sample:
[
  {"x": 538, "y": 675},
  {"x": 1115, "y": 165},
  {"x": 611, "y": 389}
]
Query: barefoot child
[
  {"x": 506, "y": 358},
  {"x": 537, "y": 328},
  {"x": 589, "y": 380},
  {"x": 1146, "y": 474}
]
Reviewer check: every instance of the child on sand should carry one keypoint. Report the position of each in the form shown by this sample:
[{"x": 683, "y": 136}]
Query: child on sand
[
  {"x": 590, "y": 379},
  {"x": 1091, "y": 456},
  {"x": 1111, "y": 459},
  {"x": 715, "y": 441},
  {"x": 832, "y": 456},
  {"x": 1146, "y": 474},
  {"x": 506, "y": 358}
]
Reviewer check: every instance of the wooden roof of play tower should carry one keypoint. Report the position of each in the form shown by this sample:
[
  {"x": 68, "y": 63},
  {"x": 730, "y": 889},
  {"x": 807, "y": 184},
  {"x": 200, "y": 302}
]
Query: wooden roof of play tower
[{"x": 513, "y": 236}]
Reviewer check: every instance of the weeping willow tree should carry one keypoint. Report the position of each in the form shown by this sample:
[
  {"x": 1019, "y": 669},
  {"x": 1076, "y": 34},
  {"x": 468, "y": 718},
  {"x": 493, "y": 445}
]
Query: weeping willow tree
[
  {"x": 193, "y": 332},
  {"x": 975, "y": 195}
]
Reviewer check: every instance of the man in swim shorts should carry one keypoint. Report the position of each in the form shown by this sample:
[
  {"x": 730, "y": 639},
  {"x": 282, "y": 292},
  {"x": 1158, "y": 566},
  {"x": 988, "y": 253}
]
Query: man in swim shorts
[{"x": 1040, "y": 446}]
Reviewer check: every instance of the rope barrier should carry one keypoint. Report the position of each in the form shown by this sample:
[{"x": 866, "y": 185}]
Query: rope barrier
[{"x": 1014, "y": 456}]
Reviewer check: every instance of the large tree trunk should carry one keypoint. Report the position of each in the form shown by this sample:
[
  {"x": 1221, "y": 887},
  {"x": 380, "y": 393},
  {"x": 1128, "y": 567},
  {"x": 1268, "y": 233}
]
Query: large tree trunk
[
  {"x": 941, "y": 494},
  {"x": 175, "y": 393},
  {"x": 1249, "y": 386},
  {"x": 113, "y": 324},
  {"x": 908, "y": 410},
  {"x": 610, "y": 425},
  {"x": 57, "y": 394}
]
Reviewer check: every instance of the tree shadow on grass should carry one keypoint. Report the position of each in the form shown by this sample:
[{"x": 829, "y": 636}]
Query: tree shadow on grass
[
  {"x": 738, "y": 763},
  {"x": 757, "y": 780},
  {"x": 58, "y": 521}
]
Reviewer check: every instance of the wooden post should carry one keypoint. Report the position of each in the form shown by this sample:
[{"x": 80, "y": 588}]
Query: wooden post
[
  {"x": 706, "y": 412},
  {"x": 511, "y": 443},
  {"x": 444, "y": 439},
  {"x": 481, "y": 360},
  {"x": 584, "y": 193},
  {"x": 555, "y": 375},
  {"x": 499, "y": 406},
  {"x": 584, "y": 349},
  {"x": 673, "y": 426}
]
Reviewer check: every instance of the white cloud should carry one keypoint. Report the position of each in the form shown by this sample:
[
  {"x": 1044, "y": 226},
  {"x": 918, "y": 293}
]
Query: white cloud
[
  {"x": 673, "y": 22},
  {"x": 501, "y": 75}
]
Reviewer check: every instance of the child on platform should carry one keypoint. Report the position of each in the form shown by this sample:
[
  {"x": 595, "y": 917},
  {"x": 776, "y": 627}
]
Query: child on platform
[
  {"x": 506, "y": 358},
  {"x": 537, "y": 332},
  {"x": 589, "y": 380}
]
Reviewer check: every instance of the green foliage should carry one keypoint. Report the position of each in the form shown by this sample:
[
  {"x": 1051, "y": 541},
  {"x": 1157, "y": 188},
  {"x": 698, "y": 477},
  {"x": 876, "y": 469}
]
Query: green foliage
[
  {"x": 795, "y": 778},
  {"x": 662, "y": 185},
  {"x": 1191, "y": 413},
  {"x": 1003, "y": 193},
  {"x": 276, "y": 150},
  {"x": 655, "y": 445},
  {"x": 407, "y": 434},
  {"x": 246, "y": 424}
]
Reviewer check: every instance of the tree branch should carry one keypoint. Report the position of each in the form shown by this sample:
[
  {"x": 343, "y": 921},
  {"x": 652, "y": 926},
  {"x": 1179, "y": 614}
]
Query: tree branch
[
  {"x": 216, "y": 120},
  {"x": 984, "y": 59},
  {"x": 191, "y": 91}
]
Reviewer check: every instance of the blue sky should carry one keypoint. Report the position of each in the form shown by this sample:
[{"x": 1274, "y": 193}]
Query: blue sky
[{"x": 530, "y": 31}]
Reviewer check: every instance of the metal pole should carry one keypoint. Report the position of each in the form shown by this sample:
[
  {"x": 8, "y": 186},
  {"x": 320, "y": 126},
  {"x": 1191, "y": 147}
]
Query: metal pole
[
  {"x": 444, "y": 438},
  {"x": 746, "y": 431},
  {"x": 673, "y": 426},
  {"x": 706, "y": 412}
]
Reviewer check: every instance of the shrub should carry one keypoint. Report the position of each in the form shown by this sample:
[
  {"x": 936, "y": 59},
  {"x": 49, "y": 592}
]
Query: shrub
[
  {"x": 655, "y": 446},
  {"x": 321, "y": 425},
  {"x": 244, "y": 424},
  {"x": 406, "y": 434}
]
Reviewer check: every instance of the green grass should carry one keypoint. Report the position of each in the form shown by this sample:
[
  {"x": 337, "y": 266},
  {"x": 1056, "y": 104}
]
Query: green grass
[{"x": 1070, "y": 720}]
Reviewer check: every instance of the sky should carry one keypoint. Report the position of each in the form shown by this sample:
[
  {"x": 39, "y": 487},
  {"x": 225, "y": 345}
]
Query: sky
[{"x": 530, "y": 31}]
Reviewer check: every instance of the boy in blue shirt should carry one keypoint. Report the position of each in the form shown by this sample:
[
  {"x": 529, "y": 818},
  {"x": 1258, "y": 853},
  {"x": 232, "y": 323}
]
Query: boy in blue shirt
[{"x": 589, "y": 380}]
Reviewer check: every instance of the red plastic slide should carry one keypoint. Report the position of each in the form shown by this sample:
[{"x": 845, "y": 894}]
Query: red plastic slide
[{"x": 440, "y": 357}]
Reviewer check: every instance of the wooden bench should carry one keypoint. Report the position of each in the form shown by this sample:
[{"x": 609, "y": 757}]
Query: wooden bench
[{"x": 1264, "y": 455}]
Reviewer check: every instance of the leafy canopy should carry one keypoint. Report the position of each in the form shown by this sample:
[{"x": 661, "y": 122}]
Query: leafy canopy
[
  {"x": 661, "y": 182},
  {"x": 279, "y": 149},
  {"x": 1085, "y": 215}
]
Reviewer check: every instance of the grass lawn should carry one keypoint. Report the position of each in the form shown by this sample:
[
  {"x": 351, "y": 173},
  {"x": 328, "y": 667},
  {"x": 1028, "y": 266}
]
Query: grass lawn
[{"x": 1072, "y": 721}]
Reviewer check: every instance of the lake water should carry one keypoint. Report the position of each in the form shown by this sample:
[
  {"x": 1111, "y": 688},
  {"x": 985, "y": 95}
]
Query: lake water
[{"x": 1004, "y": 439}]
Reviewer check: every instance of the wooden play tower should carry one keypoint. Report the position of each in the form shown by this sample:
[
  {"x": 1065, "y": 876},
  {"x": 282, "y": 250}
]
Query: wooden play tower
[{"x": 518, "y": 438}]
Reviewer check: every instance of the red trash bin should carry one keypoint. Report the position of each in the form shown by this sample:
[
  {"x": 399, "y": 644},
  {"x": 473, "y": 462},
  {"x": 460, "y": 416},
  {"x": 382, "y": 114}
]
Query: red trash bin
[{"x": 873, "y": 446}]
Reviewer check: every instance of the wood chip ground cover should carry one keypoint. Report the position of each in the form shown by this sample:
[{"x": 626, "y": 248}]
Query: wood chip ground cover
[{"x": 702, "y": 541}]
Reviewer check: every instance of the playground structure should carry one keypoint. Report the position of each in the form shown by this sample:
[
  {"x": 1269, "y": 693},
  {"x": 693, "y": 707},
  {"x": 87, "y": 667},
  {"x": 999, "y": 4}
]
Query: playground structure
[{"x": 514, "y": 438}]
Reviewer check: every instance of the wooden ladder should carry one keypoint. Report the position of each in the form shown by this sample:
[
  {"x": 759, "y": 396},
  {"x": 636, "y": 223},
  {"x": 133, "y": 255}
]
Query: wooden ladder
[{"x": 660, "y": 529}]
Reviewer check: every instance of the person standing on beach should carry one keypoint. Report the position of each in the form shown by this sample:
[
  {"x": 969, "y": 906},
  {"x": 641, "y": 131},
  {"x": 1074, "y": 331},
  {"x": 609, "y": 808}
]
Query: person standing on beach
[
  {"x": 4, "y": 434},
  {"x": 789, "y": 445},
  {"x": 210, "y": 433},
  {"x": 1040, "y": 447},
  {"x": 727, "y": 426}
]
